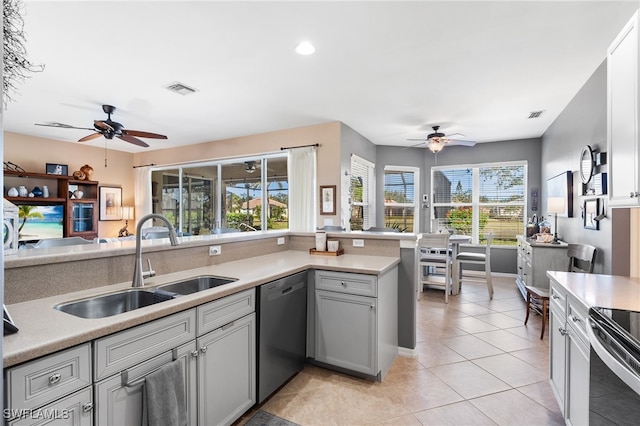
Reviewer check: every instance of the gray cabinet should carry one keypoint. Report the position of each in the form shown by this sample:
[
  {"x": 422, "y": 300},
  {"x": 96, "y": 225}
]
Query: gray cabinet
[
  {"x": 535, "y": 259},
  {"x": 622, "y": 113},
  {"x": 569, "y": 355},
  {"x": 119, "y": 397},
  {"x": 123, "y": 360},
  {"x": 226, "y": 359},
  {"x": 355, "y": 325},
  {"x": 54, "y": 388}
]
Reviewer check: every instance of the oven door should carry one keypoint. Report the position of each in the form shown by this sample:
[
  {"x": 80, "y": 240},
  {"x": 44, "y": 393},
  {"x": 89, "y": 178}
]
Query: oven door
[{"x": 614, "y": 383}]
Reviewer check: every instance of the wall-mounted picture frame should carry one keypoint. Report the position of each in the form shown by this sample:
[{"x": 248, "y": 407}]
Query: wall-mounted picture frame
[
  {"x": 328, "y": 199},
  {"x": 561, "y": 186},
  {"x": 110, "y": 203},
  {"x": 57, "y": 169},
  {"x": 591, "y": 209}
]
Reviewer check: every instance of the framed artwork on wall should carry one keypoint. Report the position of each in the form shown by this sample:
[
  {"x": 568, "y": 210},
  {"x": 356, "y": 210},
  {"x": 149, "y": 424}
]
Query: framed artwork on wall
[
  {"x": 590, "y": 211},
  {"x": 560, "y": 187},
  {"x": 328, "y": 199},
  {"x": 110, "y": 203}
]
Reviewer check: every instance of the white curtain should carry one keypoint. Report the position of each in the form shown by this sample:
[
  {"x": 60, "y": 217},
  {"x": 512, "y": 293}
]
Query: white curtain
[
  {"x": 302, "y": 178},
  {"x": 143, "y": 196}
]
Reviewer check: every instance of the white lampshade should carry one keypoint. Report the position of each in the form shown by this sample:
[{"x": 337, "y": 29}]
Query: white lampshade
[
  {"x": 435, "y": 146},
  {"x": 127, "y": 213},
  {"x": 555, "y": 205}
]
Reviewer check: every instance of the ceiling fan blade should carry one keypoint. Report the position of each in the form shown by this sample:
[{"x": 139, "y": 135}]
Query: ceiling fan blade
[
  {"x": 423, "y": 140},
  {"x": 131, "y": 139},
  {"x": 418, "y": 144},
  {"x": 102, "y": 125},
  {"x": 143, "y": 134},
  {"x": 90, "y": 137},
  {"x": 61, "y": 125},
  {"x": 461, "y": 142}
]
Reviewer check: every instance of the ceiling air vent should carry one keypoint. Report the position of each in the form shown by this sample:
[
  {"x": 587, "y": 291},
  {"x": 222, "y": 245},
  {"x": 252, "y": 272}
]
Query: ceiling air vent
[
  {"x": 180, "y": 88},
  {"x": 535, "y": 114}
]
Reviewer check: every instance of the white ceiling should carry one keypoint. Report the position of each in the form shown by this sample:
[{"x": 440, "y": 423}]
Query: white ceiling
[{"x": 390, "y": 70}]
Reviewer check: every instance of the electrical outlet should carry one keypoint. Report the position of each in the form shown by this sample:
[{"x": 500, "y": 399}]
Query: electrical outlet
[
  {"x": 280, "y": 241},
  {"x": 358, "y": 243},
  {"x": 215, "y": 250}
]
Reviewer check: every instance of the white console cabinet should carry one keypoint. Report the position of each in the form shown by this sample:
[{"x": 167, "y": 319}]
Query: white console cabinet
[{"x": 535, "y": 259}]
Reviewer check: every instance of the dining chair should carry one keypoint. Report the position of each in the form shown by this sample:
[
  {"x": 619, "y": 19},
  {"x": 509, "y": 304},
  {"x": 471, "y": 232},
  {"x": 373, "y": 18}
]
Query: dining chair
[
  {"x": 473, "y": 258},
  {"x": 582, "y": 258},
  {"x": 434, "y": 255}
]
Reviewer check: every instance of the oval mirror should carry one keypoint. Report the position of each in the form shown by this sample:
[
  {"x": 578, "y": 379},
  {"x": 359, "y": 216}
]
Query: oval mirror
[{"x": 586, "y": 164}]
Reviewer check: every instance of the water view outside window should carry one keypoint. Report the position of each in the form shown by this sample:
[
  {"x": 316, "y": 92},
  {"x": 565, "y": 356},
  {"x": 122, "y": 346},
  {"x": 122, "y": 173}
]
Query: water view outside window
[{"x": 481, "y": 198}]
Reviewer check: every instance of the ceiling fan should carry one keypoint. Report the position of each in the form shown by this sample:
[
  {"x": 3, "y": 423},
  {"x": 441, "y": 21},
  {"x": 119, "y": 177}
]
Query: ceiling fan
[
  {"x": 436, "y": 141},
  {"x": 109, "y": 128}
]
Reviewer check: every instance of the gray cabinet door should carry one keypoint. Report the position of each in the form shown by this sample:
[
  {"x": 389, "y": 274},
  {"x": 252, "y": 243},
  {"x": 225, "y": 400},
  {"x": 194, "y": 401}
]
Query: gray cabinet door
[
  {"x": 346, "y": 331},
  {"x": 118, "y": 403},
  {"x": 227, "y": 372}
]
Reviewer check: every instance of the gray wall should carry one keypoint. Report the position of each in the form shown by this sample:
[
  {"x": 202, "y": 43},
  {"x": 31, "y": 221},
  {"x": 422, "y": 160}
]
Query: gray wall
[{"x": 582, "y": 122}]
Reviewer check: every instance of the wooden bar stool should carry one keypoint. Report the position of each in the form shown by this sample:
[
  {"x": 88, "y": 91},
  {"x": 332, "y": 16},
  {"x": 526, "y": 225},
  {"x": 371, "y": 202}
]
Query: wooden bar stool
[{"x": 537, "y": 300}]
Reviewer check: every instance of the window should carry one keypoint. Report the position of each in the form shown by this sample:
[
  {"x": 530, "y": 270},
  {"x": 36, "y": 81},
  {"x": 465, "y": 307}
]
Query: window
[
  {"x": 474, "y": 200},
  {"x": 224, "y": 196},
  {"x": 361, "y": 189},
  {"x": 400, "y": 204}
]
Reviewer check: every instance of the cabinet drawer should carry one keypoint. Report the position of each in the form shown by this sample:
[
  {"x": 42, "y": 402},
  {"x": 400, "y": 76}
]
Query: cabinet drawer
[
  {"x": 577, "y": 318},
  {"x": 46, "y": 379},
  {"x": 360, "y": 284},
  {"x": 122, "y": 350},
  {"x": 223, "y": 311},
  {"x": 75, "y": 409},
  {"x": 558, "y": 299}
]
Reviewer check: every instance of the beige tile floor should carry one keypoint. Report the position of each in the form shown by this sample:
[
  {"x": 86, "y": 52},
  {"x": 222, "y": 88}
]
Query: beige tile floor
[{"x": 476, "y": 364}]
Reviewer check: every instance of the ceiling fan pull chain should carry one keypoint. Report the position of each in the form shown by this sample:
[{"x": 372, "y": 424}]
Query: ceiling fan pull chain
[{"x": 105, "y": 152}]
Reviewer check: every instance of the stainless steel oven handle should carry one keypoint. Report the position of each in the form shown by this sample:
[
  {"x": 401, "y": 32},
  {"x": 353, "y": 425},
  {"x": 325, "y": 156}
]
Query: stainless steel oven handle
[{"x": 618, "y": 368}]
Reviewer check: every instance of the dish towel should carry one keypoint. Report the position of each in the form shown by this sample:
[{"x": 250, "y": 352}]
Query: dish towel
[{"x": 163, "y": 398}]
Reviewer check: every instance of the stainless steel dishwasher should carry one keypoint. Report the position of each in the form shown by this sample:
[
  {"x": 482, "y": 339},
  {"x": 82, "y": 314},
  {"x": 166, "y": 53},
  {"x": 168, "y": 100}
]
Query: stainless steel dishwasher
[{"x": 282, "y": 331}]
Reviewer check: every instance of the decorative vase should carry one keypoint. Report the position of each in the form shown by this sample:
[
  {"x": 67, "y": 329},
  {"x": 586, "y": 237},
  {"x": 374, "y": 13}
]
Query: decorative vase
[
  {"x": 37, "y": 192},
  {"x": 45, "y": 191},
  {"x": 78, "y": 194},
  {"x": 13, "y": 192},
  {"x": 22, "y": 191}
]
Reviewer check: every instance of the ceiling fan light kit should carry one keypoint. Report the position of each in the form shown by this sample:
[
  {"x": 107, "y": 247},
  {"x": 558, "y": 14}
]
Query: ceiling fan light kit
[{"x": 436, "y": 141}]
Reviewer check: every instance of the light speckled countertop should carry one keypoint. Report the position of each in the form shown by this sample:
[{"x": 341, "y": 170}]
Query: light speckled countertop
[
  {"x": 44, "y": 330},
  {"x": 607, "y": 291}
]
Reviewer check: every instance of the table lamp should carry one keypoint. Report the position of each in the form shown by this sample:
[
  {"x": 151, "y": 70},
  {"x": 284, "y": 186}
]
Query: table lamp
[
  {"x": 555, "y": 205},
  {"x": 127, "y": 213}
]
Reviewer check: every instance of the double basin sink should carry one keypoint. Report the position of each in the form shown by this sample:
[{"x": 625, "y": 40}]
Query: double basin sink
[{"x": 128, "y": 300}]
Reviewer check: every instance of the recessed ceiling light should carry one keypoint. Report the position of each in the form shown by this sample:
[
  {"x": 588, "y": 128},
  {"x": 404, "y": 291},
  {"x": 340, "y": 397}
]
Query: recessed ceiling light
[{"x": 305, "y": 48}]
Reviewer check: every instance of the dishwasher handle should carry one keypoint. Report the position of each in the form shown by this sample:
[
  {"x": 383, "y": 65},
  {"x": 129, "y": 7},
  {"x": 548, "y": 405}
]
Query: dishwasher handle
[{"x": 277, "y": 292}]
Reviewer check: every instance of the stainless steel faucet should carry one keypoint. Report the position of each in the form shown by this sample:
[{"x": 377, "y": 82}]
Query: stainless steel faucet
[{"x": 138, "y": 274}]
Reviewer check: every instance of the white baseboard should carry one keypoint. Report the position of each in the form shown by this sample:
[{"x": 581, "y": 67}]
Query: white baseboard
[{"x": 407, "y": 352}]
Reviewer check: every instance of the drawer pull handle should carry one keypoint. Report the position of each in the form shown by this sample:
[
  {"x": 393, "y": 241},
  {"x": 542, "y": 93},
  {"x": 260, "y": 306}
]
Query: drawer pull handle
[
  {"x": 371, "y": 307},
  {"x": 203, "y": 349},
  {"x": 575, "y": 319},
  {"x": 194, "y": 353},
  {"x": 54, "y": 379},
  {"x": 563, "y": 331},
  {"x": 87, "y": 407},
  {"x": 555, "y": 297},
  {"x": 227, "y": 326},
  {"x": 344, "y": 284}
]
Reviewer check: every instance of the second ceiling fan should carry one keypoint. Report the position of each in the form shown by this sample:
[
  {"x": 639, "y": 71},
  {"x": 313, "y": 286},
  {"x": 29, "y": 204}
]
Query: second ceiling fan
[{"x": 437, "y": 140}]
